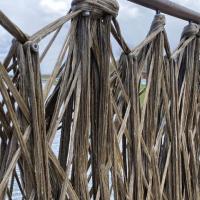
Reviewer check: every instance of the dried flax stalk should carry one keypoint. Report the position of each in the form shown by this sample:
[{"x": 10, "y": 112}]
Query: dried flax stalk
[
  {"x": 185, "y": 107},
  {"x": 128, "y": 133},
  {"x": 144, "y": 156}
]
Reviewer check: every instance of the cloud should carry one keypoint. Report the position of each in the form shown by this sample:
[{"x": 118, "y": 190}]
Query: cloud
[
  {"x": 131, "y": 12},
  {"x": 55, "y": 6}
]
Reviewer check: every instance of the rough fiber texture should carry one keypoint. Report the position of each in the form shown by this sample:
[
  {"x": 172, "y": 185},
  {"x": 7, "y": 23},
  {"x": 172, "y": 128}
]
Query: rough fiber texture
[{"x": 121, "y": 138}]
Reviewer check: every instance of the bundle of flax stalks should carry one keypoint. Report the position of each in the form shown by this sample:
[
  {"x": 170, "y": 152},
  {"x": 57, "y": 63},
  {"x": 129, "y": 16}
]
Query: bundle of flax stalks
[
  {"x": 129, "y": 134},
  {"x": 160, "y": 137}
]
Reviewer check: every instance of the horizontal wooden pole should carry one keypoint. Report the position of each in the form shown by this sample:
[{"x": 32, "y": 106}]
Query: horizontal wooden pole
[
  {"x": 170, "y": 8},
  {"x": 13, "y": 29}
]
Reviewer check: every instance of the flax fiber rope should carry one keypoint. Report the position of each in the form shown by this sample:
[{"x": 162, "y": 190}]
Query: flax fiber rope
[
  {"x": 97, "y": 7},
  {"x": 129, "y": 128}
]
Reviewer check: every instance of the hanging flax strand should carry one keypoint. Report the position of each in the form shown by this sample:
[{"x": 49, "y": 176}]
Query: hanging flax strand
[
  {"x": 92, "y": 36},
  {"x": 127, "y": 129},
  {"x": 141, "y": 161},
  {"x": 185, "y": 92}
]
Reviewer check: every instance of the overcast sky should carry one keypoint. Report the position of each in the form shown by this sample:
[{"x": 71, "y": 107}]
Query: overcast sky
[{"x": 31, "y": 15}]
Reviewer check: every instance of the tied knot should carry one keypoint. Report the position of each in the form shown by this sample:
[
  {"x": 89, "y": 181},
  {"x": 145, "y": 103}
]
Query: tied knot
[
  {"x": 190, "y": 30},
  {"x": 97, "y": 7},
  {"x": 158, "y": 22}
]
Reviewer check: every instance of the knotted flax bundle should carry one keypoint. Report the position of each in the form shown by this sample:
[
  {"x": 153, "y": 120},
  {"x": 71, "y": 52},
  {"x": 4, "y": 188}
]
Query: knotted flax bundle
[
  {"x": 98, "y": 8},
  {"x": 129, "y": 134},
  {"x": 184, "y": 95},
  {"x": 84, "y": 89},
  {"x": 142, "y": 74},
  {"x": 160, "y": 147}
]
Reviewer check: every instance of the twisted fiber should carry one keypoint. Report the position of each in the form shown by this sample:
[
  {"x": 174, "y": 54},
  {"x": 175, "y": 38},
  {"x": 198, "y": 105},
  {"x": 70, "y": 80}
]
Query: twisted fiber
[
  {"x": 190, "y": 30},
  {"x": 98, "y": 7},
  {"x": 158, "y": 22}
]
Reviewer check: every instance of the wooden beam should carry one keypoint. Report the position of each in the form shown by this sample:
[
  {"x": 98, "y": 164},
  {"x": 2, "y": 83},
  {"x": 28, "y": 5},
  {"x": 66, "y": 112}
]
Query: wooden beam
[{"x": 170, "y": 8}]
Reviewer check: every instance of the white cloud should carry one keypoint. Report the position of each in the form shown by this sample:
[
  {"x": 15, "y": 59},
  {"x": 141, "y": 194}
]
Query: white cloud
[
  {"x": 126, "y": 10},
  {"x": 56, "y": 6}
]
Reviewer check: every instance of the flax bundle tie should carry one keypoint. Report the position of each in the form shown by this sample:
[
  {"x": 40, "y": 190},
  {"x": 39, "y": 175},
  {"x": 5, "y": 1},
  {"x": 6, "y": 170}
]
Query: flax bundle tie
[
  {"x": 158, "y": 23},
  {"x": 190, "y": 30},
  {"x": 98, "y": 8}
]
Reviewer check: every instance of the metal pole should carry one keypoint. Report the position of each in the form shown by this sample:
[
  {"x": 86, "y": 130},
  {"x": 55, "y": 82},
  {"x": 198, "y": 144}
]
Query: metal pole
[{"x": 170, "y": 8}]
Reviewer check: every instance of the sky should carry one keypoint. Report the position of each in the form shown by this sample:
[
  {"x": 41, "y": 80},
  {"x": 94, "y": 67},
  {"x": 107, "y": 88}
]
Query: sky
[{"x": 134, "y": 20}]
